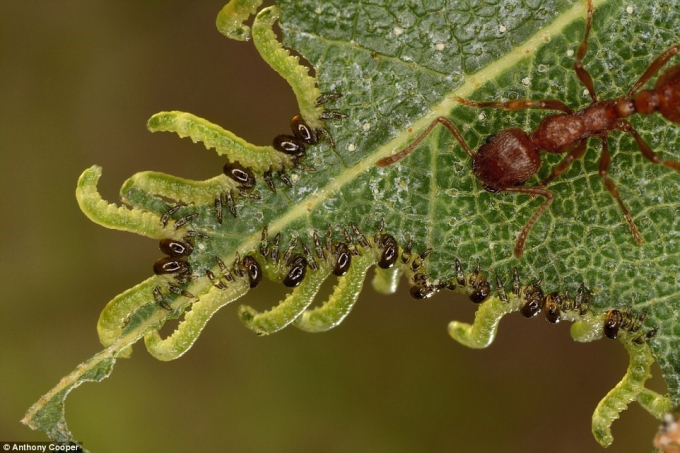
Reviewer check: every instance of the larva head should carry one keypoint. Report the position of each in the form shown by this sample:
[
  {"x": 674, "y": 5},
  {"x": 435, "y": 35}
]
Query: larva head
[
  {"x": 253, "y": 270},
  {"x": 534, "y": 301},
  {"x": 242, "y": 175},
  {"x": 390, "y": 252},
  {"x": 169, "y": 265},
  {"x": 481, "y": 291},
  {"x": 553, "y": 308},
  {"x": 343, "y": 260},
  {"x": 296, "y": 271},
  {"x": 612, "y": 324},
  {"x": 420, "y": 292},
  {"x": 289, "y": 145},
  {"x": 303, "y": 132},
  {"x": 172, "y": 247}
]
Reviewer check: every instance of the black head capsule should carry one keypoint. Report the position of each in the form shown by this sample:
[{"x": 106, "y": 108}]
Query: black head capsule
[
  {"x": 169, "y": 265},
  {"x": 533, "y": 295},
  {"x": 171, "y": 247},
  {"x": 303, "y": 132},
  {"x": 343, "y": 259},
  {"x": 296, "y": 273},
  {"x": 390, "y": 252},
  {"x": 253, "y": 270},
  {"x": 242, "y": 175},
  {"x": 612, "y": 324},
  {"x": 289, "y": 145},
  {"x": 420, "y": 292},
  {"x": 481, "y": 292},
  {"x": 553, "y": 310}
]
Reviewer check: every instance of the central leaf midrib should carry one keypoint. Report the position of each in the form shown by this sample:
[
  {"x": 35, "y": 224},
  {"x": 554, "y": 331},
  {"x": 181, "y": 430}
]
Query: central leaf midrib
[{"x": 472, "y": 82}]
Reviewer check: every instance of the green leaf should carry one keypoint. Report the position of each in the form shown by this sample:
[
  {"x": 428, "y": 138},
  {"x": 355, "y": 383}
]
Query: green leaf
[{"x": 400, "y": 65}]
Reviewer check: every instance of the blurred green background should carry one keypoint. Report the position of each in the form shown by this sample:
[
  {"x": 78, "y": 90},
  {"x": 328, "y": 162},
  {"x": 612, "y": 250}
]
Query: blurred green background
[{"x": 78, "y": 81}]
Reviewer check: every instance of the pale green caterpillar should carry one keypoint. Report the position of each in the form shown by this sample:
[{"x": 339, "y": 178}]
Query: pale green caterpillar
[
  {"x": 257, "y": 158},
  {"x": 626, "y": 391},
  {"x": 272, "y": 51},
  {"x": 116, "y": 217}
]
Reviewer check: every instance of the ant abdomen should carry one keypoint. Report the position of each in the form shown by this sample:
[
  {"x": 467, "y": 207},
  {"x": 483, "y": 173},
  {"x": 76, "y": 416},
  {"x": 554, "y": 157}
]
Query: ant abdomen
[
  {"x": 667, "y": 90},
  {"x": 508, "y": 160}
]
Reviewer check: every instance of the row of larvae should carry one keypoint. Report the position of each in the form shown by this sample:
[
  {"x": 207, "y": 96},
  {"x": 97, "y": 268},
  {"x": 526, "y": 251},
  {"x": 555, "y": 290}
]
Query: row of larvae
[{"x": 553, "y": 305}]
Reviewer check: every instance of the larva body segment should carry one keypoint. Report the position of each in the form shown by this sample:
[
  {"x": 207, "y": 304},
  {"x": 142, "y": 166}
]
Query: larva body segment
[
  {"x": 340, "y": 303},
  {"x": 482, "y": 331},
  {"x": 287, "y": 310},
  {"x": 625, "y": 392},
  {"x": 385, "y": 281},
  {"x": 179, "y": 189},
  {"x": 194, "y": 321}
]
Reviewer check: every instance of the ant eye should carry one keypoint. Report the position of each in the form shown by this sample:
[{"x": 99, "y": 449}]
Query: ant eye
[
  {"x": 254, "y": 271},
  {"x": 172, "y": 247},
  {"x": 296, "y": 274},
  {"x": 490, "y": 138},
  {"x": 303, "y": 132},
  {"x": 343, "y": 260},
  {"x": 289, "y": 145},
  {"x": 240, "y": 174},
  {"x": 170, "y": 266}
]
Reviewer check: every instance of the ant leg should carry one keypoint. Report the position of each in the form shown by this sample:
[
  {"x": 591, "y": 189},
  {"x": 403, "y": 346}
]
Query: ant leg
[
  {"x": 605, "y": 159},
  {"x": 575, "y": 153},
  {"x": 646, "y": 150},
  {"x": 406, "y": 151},
  {"x": 581, "y": 72},
  {"x": 521, "y": 104},
  {"x": 533, "y": 191},
  {"x": 654, "y": 67}
]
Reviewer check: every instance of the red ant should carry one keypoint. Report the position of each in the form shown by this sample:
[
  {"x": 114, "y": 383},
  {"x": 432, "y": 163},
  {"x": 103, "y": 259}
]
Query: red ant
[{"x": 509, "y": 158}]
